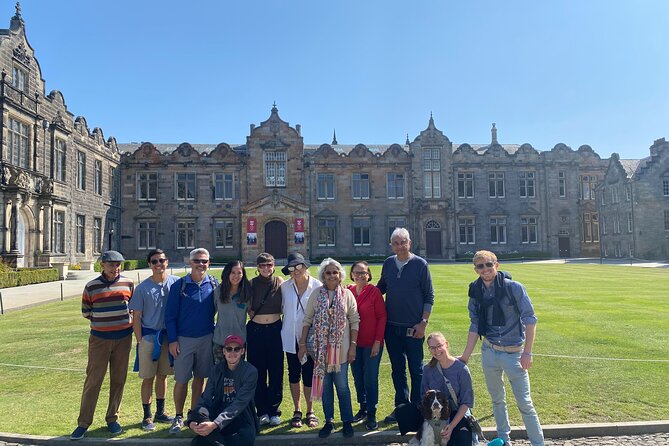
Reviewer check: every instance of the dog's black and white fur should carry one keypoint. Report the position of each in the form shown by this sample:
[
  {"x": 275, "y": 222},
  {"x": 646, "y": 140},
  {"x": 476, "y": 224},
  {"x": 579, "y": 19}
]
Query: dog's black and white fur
[{"x": 436, "y": 412}]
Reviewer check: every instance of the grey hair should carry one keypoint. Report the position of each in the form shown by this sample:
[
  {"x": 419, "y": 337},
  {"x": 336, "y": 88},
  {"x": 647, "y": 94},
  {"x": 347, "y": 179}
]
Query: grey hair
[
  {"x": 327, "y": 262},
  {"x": 197, "y": 251},
  {"x": 400, "y": 233}
]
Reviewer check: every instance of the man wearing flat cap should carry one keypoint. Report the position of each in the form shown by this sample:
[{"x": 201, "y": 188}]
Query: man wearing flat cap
[{"x": 105, "y": 304}]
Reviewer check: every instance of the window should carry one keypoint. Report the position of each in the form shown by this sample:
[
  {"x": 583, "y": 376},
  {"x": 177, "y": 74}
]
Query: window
[
  {"x": 628, "y": 192},
  {"x": 630, "y": 222},
  {"x": 665, "y": 187},
  {"x": 465, "y": 185},
  {"x": 526, "y": 184},
  {"x": 616, "y": 224},
  {"x": 59, "y": 164},
  {"x": 275, "y": 169},
  {"x": 562, "y": 184},
  {"x": 395, "y": 222},
  {"x": 98, "y": 177},
  {"x": 59, "y": 232},
  {"x": 432, "y": 172},
  {"x": 97, "y": 235},
  {"x": 147, "y": 186},
  {"x": 604, "y": 228},
  {"x": 361, "y": 231},
  {"x": 614, "y": 194},
  {"x": 18, "y": 139},
  {"x": 528, "y": 229},
  {"x": 185, "y": 234},
  {"x": 81, "y": 233},
  {"x": 666, "y": 220},
  {"x": 588, "y": 185},
  {"x": 467, "y": 230},
  {"x": 20, "y": 79},
  {"x": 395, "y": 183},
  {"x": 326, "y": 186},
  {"x": 223, "y": 233},
  {"x": 603, "y": 197},
  {"x": 146, "y": 234},
  {"x": 360, "y": 186},
  {"x": 81, "y": 170},
  {"x": 496, "y": 184},
  {"x": 186, "y": 186},
  {"x": 326, "y": 232},
  {"x": 498, "y": 230},
  {"x": 223, "y": 186}
]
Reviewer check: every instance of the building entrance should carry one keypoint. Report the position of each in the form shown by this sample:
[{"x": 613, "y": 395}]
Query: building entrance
[{"x": 276, "y": 239}]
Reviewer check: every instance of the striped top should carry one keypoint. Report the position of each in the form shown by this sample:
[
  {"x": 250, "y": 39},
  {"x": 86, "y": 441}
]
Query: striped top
[{"x": 105, "y": 304}]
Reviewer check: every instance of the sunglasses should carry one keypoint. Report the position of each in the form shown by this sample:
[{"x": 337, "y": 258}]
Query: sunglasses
[
  {"x": 157, "y": 261},
  {"x": 485, "y": 265},
  {"x": 201, "y": 261},
  {"x": 266, "y": 265},
  {"x": 331, "y": 273},
  {"x": 233, "y": 349},
  {"x": 295, "y": 268}
]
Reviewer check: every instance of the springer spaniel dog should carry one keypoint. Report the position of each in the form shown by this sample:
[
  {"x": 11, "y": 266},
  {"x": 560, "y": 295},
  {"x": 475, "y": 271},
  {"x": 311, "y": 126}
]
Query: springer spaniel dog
[{"x": 436, "y": 412}]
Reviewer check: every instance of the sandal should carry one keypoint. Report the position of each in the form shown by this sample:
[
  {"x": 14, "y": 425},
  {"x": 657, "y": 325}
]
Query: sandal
[
  {"x": 296, "y": 421},
  {"x": 312, "y": 419}
]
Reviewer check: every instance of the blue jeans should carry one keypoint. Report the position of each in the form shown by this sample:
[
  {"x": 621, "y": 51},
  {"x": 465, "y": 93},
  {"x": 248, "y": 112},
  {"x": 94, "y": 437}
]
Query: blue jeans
[
  {"x": 365, "y": 371},
  {"x": 495, "y": 363},
  {"x": 340, "y": 381},
  {"x": 403, "y": 350}
]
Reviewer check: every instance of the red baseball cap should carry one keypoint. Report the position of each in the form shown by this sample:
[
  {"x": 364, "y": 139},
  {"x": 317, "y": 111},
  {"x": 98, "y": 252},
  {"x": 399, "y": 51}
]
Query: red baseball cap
[{"x": 233, "y": 339}]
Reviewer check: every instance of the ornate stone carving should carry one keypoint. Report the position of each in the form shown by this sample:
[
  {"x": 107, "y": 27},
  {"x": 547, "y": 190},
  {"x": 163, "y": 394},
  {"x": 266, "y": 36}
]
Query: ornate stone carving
[{"x": 21, "y": 54}]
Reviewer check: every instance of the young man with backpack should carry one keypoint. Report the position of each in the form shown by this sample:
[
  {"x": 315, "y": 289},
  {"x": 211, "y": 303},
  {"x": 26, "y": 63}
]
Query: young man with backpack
[
  {"x": 501, "y": 313},
  {"x": 189, "y": 320}
]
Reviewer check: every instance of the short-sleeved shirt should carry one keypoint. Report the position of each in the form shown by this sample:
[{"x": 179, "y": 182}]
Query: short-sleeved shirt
[{"x": 150, "y": 298}]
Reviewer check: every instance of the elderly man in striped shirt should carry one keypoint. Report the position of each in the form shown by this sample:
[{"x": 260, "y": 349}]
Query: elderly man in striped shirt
[{"x": 105, "y": 304}]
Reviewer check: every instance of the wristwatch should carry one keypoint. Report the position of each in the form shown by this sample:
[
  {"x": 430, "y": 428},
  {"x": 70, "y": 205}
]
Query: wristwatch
[{"x": 424, "y": 320}]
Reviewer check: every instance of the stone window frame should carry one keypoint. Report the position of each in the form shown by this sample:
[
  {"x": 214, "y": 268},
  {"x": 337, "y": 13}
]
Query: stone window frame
[
  {"x": 588, "y": 186},
  {"x": 666, "y": 220},
  {"x": 81, "y": 170},
  {"x": 184, "y": 230},
  {"x": 147, "y": 186},
  {"x": 58, "y": 242},
  {"x": 18, "y": 142},
  {"x": 498, "y": 230},
  {"x": 562, "y": 184},
  {"x": 665, "y": 185},
  {"x": 360, "y": 186},
  {"x": 147, "y": 234},
  {"x": 465, "y": 185},
  {"x": 326, "y": 187},
  {"x": 182, "y": 186},
  {"x": 496, "y": 186},
  {"x": 361, "y": 227},
  {"x": 529, "y": 230},
  {"x": 229, "y": 228},
  {"x": 97, "y": 177},
  {"x": 59, "y": 160},
  {"x": 97, "y": 235},
  {"x": 327, "y": 231},
  {"x": 467, "y": 230},
  {"x": 431, "y": 172},
  {"x": 80, "y": 239},
  {"x": 224, "y": 186},
  {"x": 527, "y": 184},
  {"x": 274, "y": 167},
  {"x": 394, "y": 222},
  {"x": 20, "y": 79},
  {"x": 395, "y": 186},
  {"x": 630, "y": 222}
]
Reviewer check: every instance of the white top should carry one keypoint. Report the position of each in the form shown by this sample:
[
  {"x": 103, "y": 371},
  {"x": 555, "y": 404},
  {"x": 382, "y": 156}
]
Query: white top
[{"x": 293, "y": 311}]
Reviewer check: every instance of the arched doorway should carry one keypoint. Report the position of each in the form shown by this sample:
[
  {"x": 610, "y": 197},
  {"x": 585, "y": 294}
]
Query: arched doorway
[
  {"x": 433, "y": 239},
  {"x": 276, "y": 239}
]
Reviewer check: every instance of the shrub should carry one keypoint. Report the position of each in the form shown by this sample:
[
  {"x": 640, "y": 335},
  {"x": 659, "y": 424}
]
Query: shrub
[
  {"x": 75, "y": 267},
  {"x": 27, "y": 276}
]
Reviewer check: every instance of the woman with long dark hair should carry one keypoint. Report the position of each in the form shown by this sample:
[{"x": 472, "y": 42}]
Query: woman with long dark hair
[{"x": 232, "y": 297}]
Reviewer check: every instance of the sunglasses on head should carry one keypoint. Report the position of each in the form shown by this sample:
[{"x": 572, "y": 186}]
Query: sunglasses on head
[
  {"x": 295, "y": 268},
  {"x": 233, "y": 349},
  {"x": 485, "y": 265},
  {"x": 157, "y": 261},
  {"x": 201, "y": 261}
]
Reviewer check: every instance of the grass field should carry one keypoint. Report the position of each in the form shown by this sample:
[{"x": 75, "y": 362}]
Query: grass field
[{"x": 601, "y": 355}]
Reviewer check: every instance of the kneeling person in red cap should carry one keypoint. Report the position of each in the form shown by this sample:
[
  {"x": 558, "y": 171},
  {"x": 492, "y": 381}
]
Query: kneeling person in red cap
[{"x": 226, "y": 413}]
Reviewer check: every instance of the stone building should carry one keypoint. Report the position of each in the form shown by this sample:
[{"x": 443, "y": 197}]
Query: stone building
[
  {"x": 277, "y": 194},
  {"x": 57, "y": 183},
  {"x": 634, "y": 205}
]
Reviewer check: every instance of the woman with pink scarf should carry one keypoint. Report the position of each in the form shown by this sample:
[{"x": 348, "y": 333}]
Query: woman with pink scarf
[{"x": 333, "y": 312}]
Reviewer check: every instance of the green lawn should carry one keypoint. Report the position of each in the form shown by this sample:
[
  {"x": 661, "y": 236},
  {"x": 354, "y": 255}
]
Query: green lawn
[{"x": 601, "y": 355}]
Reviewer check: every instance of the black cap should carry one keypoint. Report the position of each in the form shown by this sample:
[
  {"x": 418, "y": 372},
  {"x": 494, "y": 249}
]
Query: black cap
[{"x": 295, "y": 259}]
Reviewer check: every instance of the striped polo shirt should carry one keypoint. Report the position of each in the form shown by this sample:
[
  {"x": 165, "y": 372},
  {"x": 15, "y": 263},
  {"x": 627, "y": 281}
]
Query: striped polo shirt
[{"x": 105, "y": 304}]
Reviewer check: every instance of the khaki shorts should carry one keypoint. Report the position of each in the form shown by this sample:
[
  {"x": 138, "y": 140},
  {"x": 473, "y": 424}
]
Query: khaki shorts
[{"x": 148, "y": 368}]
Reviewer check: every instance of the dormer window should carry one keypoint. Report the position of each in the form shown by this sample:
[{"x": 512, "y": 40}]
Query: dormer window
[
  {"x": 20, "y": 79},
  {"x": 275, "y": 169}
]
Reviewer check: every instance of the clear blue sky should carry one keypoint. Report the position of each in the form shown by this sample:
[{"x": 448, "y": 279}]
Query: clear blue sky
[{"x": 578, "y": 72}]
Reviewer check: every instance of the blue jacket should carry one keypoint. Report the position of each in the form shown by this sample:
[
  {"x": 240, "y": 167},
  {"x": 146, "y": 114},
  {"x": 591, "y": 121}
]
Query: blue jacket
[
  {"x": 190, "y": 313},
  {"x": 408, "y": 293}
]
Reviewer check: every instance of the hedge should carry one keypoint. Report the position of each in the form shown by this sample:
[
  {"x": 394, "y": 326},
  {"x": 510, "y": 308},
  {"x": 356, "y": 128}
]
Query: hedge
[
  {"x": 27, "y": 276},
  {"x": 127, "y": 265}
]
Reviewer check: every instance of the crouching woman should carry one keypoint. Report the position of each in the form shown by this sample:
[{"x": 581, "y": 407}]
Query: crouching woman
[{"x": 225, "y": 414}]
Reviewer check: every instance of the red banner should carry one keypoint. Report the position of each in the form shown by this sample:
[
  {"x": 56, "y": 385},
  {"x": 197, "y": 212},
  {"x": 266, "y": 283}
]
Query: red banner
[
  {"x": 251, "y": 225},
  {"x": 299, "y": 225}
]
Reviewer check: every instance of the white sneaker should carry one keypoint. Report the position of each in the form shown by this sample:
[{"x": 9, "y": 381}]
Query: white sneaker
[
  {"x": 264, "y": 419},
  {"x": 275, "y": 420},
  {"x": 177, "y": 425}
]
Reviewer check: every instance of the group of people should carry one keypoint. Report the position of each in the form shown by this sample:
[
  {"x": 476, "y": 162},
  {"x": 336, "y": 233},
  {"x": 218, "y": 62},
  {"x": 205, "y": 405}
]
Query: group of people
[{"x": 232, "y": 334}]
